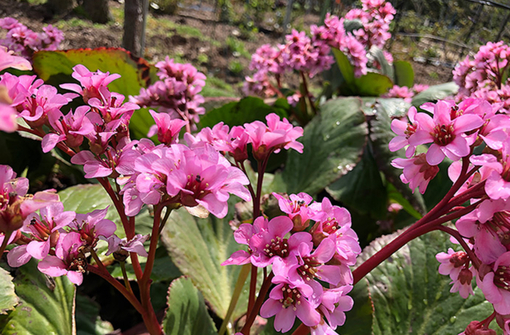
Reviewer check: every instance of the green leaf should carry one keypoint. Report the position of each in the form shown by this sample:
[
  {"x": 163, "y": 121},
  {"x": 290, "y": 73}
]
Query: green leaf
[
  {"x": 372, "y": 84},
  {"x": 362, "y": 188},
  {"x": 56, "y": 67},
  {"x": 198, "y": 247},
  {"x": 187, "y": 313},
  {"x": 386, "y": 67},
  {"x": 8, "y": 298},
  {"x": 404, "y": 73},
  {"x": 434, "y": 93},
  {"x": 86, "y": 198},
  {"x": 345, "y": 66},
  {"x": 333, "y": 144},
  {"x": 380, "y": 137},
  {"x": 88, "y": 321},
  {"x": 411, "y": 297},
  {"x": 45, "y": 306},
  {"x": 244, "y": 111}
]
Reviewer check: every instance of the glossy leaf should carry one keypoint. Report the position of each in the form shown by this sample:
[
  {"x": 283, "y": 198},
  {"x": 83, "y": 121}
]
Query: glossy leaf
[
  {"x": 362, "y": 188},
  {"x": 411, "y": 297},
  {"x": 187, "y": 313},
  {"x": 53, "y": 66},
  {"x": 372, "y": 84},
  {"x": 198, "y": 247},
  {"x": 380, "y": 137},
  {"x": 345, "y": 66},
  {"x": 244, "y": 111},
  {"x": 45, "y": 306},
  {"x": 8, "y": 298},
  {"x": 333, "y": 144},
  {"x": 434, "y": 93},
  {"x": 404, "y": 73}
]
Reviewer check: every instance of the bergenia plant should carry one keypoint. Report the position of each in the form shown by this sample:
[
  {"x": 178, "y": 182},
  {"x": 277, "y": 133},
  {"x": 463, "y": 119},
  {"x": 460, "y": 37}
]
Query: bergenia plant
[{"x": 300, "y": 251}]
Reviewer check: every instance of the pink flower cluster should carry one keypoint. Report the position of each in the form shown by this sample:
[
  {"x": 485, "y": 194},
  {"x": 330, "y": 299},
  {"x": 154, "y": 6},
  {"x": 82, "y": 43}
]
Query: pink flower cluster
[
  {"x": 59, "y": 239},
  {"x": 25, "y": 42},
  {"x": 484, "y": 76},
  {"x": 177, "y": 92},
  {"x": 405, "y": 92},
  {"x": 454, "y": 131},
  {"x": 311, "y": 55},
  {"x": 311, "y": 269}
]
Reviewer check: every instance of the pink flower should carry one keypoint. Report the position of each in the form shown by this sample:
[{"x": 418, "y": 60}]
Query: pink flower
[
  {"x": 8, "y": 60},
  {"x": 335, "y": 302},
  {"x": 92, "y": 225},
  {"x": 404, "y": 130},
  {"x": 117, "y": 245},
  {"x": 446, "y": 133},
  {"x": 91, "y": 82},
  {"x": 287, "y": 301},
  {"x": 68, "y": 260},
  {"x": 70, "y": 128},
  {"x": 417, "y": 171},
  {"x": 297, "y": 208},
  {"x": 273, "y": 137},
  {"x": 8, "y": 118},
  {"x": 167, "y": 129},
  {"x": 44, "y": 230},
  {"x": 495, "y": 284},
  {"x": 267, "y": 245}
]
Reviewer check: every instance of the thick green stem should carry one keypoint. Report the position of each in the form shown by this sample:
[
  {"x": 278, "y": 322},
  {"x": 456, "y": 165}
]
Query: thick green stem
[{"x": 243, "y": 275}]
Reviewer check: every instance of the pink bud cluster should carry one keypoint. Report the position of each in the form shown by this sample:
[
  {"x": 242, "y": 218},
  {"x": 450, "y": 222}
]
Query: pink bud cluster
[
  {"x": 405, "y": 92},
  {"x": 484, "y": 76},
  {"x": 311, "y": 269},
  {"x": 25, "y": 42},
  {"x": 311, "y": 55},
  {"x": 176, "y": 93}
]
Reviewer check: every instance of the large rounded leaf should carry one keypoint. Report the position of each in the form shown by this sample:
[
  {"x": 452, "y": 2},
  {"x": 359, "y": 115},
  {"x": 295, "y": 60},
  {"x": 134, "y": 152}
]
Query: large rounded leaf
[
  {"x": 8, "y": 298},
  {"x": 187, "y": 313},
  {"x": 434, "y": 93},
  {"x": 45, "y": 307},
  {"x": 333, "y": 144},
  {"x": 198, "y": 247},
  {"x": 411, "y": 297}
]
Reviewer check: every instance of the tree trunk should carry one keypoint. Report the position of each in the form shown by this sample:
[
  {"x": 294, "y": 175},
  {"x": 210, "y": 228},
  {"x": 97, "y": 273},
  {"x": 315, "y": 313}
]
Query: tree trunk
[
  {"x": 58, "y": 7},
  {"x": 97, "y": 10},
  {"x": 134, "y": 26}
]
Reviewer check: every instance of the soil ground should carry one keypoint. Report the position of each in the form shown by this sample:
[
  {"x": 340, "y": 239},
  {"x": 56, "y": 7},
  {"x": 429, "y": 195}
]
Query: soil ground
[{"x": 194, "y": 34}]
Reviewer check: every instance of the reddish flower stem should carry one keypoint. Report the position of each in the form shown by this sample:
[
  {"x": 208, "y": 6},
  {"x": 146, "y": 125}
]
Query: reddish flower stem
[
  {"x": 476, "y": 262},
  {"x": 5, "y": 242},
  {"x": 258, "y": 303},
  {"x": 305, "y": 89},
  {"x": 151, "y": 322},
  {"x": 101, "y": 271},
  {"x": 416, "y": 230}
]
